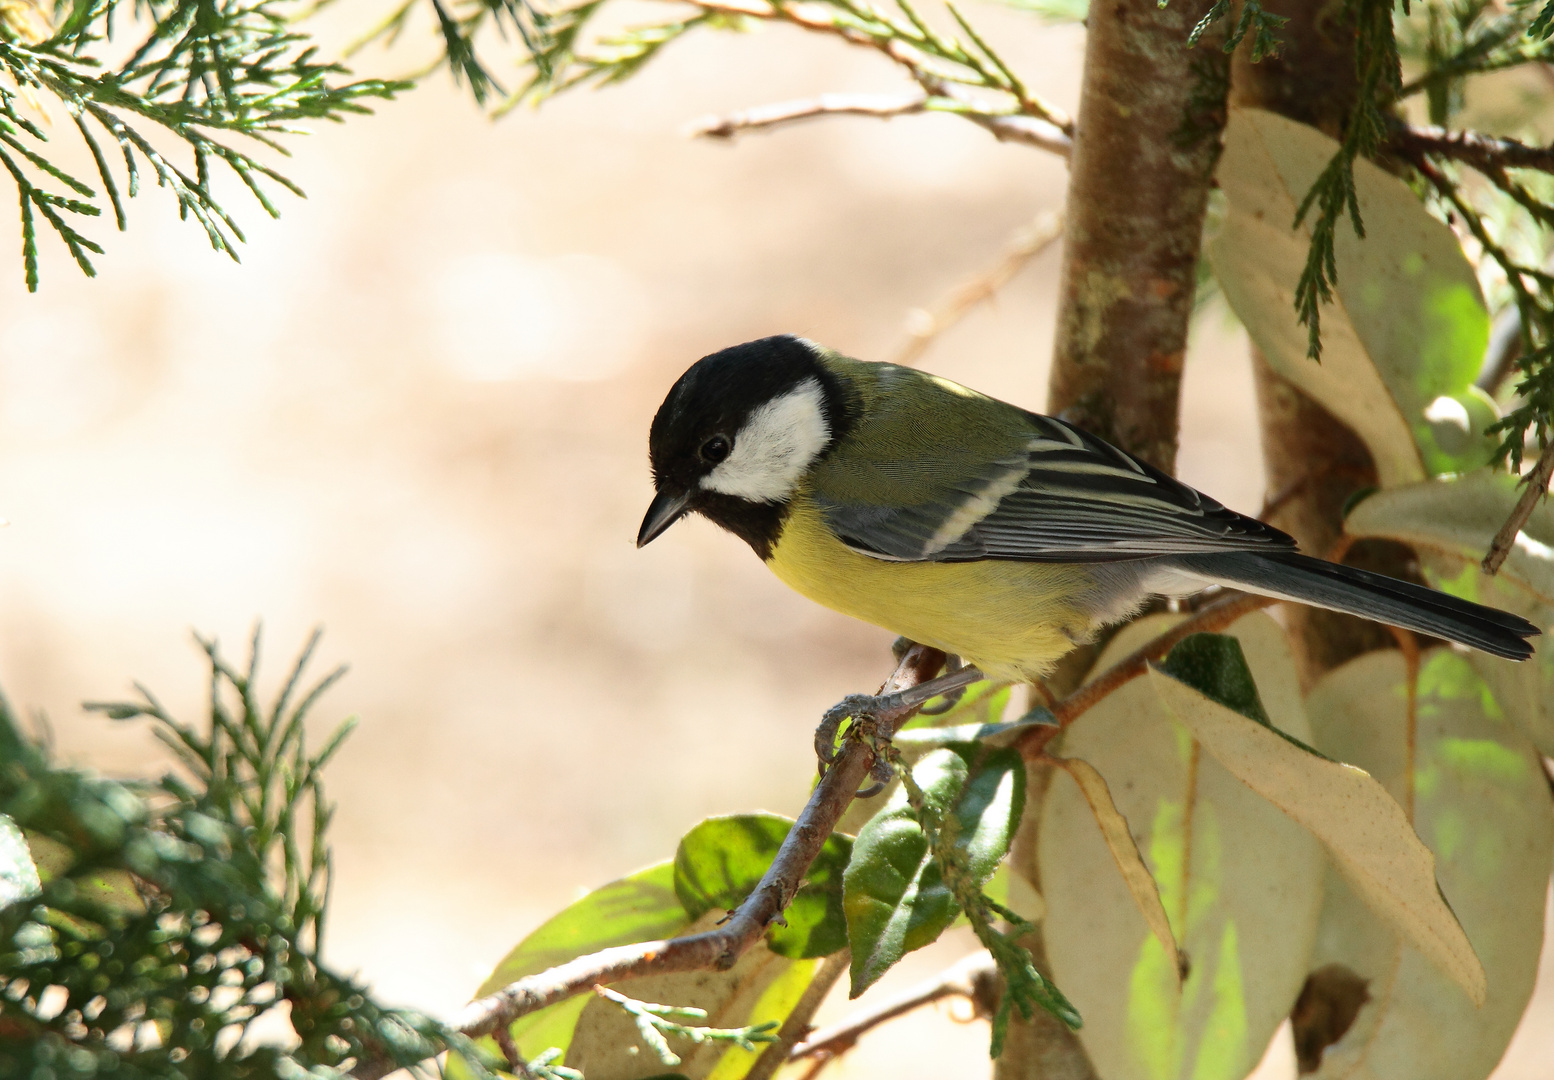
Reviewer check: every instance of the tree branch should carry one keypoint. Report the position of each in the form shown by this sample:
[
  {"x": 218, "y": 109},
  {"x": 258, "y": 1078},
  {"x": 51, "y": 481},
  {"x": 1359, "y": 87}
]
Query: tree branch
[
  {"x": 1216, "y": 616},
  {"x": 1025, "y": 245},
  {"x": 1150, "y": 116},
  {"x": 948, "y": 80},
  {"x": 967, "y": 978},
  {"x": 1534, "y": 489},
  {"x": 716, "y": 949},
  {"x": 1005, "y": 127},
  {"x": 796, "y": 1027},
  {"x": 882, "y": 106},
  {"x": 1486, "y": 153}
]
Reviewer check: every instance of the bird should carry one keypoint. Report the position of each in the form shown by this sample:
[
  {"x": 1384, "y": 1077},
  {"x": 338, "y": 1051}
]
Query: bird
[{"x": 971, "y": 525}]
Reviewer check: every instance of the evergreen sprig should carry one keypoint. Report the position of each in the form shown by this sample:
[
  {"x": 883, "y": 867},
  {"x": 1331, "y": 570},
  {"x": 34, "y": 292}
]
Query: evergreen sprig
[
  {"x": 655, "y": 1022},
  {"x": 1025, "y": 988},
  {"x": 1333, "y": 195},
  {"x": 940, "y": 63},
  {"x": 460, "y": 23},
  {"x": 202, "y": 68},
  {"x": 1263, "y": 26},
  {"x": 169, "y": 917}
]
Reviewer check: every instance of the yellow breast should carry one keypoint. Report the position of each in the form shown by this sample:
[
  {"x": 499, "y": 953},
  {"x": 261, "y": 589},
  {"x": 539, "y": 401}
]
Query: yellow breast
[{"x": 1011, "y": 619}]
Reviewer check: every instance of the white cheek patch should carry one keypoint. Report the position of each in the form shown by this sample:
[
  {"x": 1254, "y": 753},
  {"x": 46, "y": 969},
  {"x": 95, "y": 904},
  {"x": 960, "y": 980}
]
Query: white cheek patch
[{"x": 777, "y": 444}]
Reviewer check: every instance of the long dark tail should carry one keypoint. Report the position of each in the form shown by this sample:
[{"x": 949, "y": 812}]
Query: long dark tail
[{"x": 1290, "y": 576}]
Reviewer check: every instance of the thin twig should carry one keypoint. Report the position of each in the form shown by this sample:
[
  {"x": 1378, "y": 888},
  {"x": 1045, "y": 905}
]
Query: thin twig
[
  {"x": 1485, "y": 153},
  {"x": 1005, "y": 127},
  {"x": 961, "y": 979},
  {"x": 720, "y": 948},
  {"x": 1536, "y": 486},
  {"x": 796, "y": 1027},
  {"x": 1215, "y": 617},
  {"x": 505, "y": 1043},
  {"x": 926, "y": 324},
  {"x": 1030, "y": 120},
  {"x": 883, "y": 106}
]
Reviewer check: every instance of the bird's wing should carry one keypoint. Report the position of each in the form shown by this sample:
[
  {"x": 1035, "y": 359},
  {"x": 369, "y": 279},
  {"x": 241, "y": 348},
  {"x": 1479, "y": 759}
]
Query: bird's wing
[{"x": 1062, "y": 496}]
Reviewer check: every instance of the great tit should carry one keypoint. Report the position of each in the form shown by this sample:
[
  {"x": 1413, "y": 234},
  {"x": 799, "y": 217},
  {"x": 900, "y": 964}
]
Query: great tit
[{"x": 971, "y": 525}]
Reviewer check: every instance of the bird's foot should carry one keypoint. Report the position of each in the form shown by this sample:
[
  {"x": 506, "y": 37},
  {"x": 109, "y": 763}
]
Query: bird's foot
[
  {"x": 866, "y": 711},
  {"x": 875, "y": 716}
]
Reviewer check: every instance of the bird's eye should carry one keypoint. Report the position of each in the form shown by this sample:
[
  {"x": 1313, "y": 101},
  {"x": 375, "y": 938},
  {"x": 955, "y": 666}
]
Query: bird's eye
[{"x": 715, "y": 449}]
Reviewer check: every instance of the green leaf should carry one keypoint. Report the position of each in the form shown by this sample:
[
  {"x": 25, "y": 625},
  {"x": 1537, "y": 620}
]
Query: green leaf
[
  {"x": 720, "y": 862},
  {"x": 18, "y": 875},
  {"x": 1406, "y": 333},
  {"x": 640, "y": 907},
  {"x": 759, "y": 988},
  {"x": 1239, "y": 881},
  {"x": 1214, "y": 665},
  {"x": 896, "y": 897},
  {"x": 1481, "y": 805}
]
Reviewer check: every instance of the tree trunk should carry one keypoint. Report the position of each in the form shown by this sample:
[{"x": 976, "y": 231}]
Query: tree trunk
[
  {"x": 1314, "y": 462},
  {"x": 1150, "y": 116}
]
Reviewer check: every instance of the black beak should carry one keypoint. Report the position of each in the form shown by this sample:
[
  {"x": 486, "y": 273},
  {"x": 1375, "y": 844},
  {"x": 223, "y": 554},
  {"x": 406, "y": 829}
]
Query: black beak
[{"x": 666, "y": 509}]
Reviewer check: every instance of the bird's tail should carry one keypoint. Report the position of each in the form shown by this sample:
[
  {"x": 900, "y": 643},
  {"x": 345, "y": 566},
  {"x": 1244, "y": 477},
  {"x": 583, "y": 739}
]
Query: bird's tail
[{"x": 1290, "y": 576}]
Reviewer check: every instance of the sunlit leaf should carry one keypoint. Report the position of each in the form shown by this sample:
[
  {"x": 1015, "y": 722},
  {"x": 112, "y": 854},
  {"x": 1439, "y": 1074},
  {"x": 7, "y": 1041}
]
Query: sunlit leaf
[
  {"x": 1130, "y": 864},
  {"x": 1481, "y": 805},
  {"x": 720, "y": 862},
  {"x": 1239, "y": 882},
  {"x": 1365, "y": 831},
  {"x": 1406, "y": 333},
  {"x": 1459, "y": 516},
  {"x": 1450, "y": 522},
  {"x": 895, "y": 894},
  {"x": 640, "y": 907},
  {"x": 761, "y": 986}
]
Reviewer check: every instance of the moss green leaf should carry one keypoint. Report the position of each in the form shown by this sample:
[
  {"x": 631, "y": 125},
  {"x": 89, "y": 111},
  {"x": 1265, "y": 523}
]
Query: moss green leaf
[
  {"x": 1407, "y": 329},
  {"x": 1481, "y": 806},
  {"x": 1365, "y": 831},
  {"x": 895, "y": 895},
  {"x": 1240, "y": 883},
  {"x": 720, "y": 862}
]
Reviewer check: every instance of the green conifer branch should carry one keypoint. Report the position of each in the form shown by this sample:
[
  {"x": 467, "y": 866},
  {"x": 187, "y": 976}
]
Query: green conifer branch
[{"x": 203, "y": 67}]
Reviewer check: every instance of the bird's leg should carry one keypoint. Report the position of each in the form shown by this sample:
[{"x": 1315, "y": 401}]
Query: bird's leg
[
  {"x": 879, "y": 711},
  {"x": 952, "y": 664}
]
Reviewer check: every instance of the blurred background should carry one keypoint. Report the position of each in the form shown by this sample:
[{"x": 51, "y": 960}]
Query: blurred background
[{"x": 417, "y": 415}]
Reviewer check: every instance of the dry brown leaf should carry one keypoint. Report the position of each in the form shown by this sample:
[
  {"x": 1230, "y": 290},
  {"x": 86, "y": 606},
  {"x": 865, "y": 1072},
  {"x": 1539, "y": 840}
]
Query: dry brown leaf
[
  {"x": 1363, "y": 828},
  {"x": 1114, "y": 828},
  {"x": 1240, "y": 882}
]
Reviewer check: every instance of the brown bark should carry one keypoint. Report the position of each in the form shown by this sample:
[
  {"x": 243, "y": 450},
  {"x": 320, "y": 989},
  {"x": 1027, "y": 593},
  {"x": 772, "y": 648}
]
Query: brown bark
[
  {"x": 1314, "y": 463},
  {"x": 1151, "y": 110},
  {"x": 1150, "y": 116}
]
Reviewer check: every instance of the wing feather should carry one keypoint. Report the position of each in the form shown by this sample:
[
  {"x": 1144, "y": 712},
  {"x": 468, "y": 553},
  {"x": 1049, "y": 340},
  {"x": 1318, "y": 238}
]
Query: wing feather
[{"x": 1069, "y": 497}]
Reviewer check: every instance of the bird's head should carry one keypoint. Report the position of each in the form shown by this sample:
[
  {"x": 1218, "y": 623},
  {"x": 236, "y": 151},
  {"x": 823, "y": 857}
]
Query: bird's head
[{"x": 737, "y": 433}]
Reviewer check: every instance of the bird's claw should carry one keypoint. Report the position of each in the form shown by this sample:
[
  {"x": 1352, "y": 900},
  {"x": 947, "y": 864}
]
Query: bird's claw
[{"x": 862, "y": 709}]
